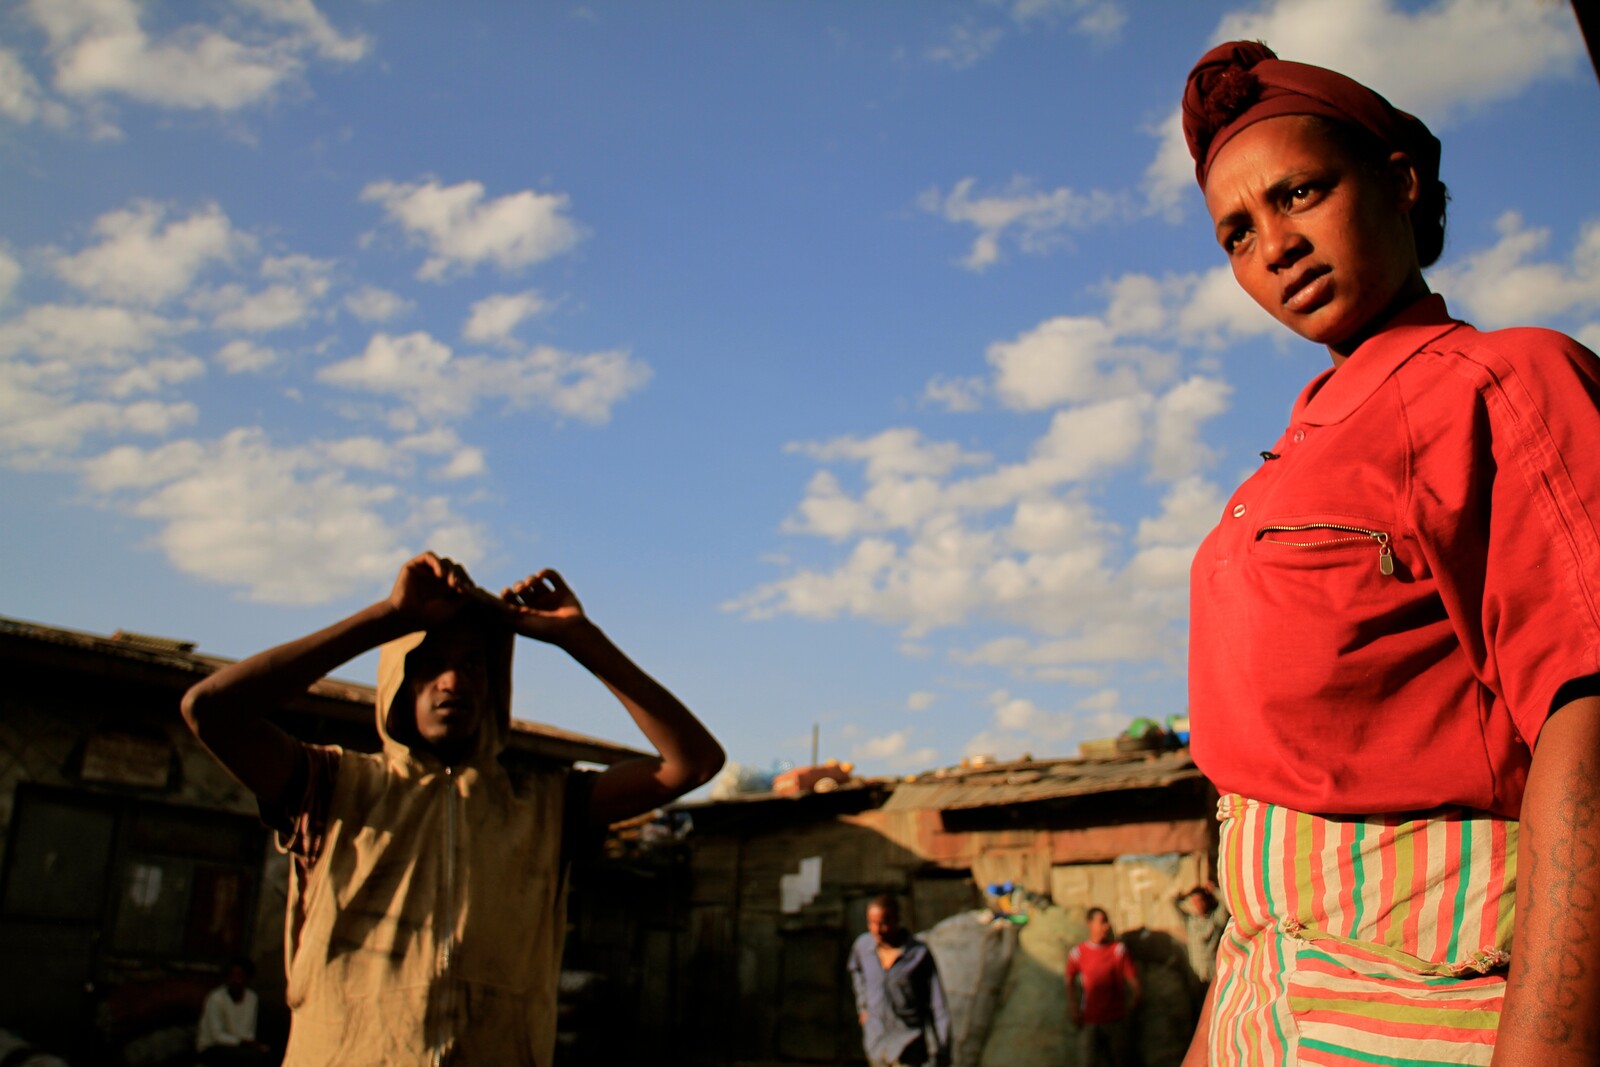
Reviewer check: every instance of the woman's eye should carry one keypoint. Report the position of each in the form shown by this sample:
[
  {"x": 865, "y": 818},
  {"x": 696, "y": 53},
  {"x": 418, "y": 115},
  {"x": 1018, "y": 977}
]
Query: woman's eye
[{"x": 1301, "y": 194}]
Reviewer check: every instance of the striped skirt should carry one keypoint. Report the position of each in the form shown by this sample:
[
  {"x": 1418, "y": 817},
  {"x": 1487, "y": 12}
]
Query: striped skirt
[{"x": 1361, "y": 940}]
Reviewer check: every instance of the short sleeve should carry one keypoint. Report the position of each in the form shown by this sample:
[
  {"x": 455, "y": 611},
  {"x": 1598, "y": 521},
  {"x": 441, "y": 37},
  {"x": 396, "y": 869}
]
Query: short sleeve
[
  {"x": 300, "y": 819},
  {"x": 1074, "y": 966},
  {"x": 1541, "y": 594}
]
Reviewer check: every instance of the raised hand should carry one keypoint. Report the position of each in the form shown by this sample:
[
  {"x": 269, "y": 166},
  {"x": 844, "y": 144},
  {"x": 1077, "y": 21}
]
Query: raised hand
[
  {"x": 541, "y": 606},
  {"x": 430, "y": 589}
]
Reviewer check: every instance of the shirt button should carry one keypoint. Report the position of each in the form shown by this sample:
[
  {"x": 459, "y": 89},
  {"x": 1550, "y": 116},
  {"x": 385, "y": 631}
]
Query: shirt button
[
  {"x": 1238, "y": 511},
  {"x": 1299, "y": 435}
]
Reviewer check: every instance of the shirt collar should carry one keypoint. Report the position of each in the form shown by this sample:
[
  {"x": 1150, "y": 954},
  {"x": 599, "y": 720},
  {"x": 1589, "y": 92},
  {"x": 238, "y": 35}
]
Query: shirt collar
[{"x": 1334, "y": 394}]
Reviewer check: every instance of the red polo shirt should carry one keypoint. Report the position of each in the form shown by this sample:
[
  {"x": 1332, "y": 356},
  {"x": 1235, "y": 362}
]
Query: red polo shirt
[
  {"x": 1384, "y": 613},
  {"x": 1106, "y": 970}
]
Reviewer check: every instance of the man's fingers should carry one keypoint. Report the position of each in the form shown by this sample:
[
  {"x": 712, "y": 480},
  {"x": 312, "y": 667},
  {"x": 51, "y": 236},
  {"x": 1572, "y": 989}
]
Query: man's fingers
[{"x": 557, "y": 583}]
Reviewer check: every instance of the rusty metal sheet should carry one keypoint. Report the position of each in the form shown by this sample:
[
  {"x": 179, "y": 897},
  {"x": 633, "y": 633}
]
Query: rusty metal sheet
[{"x": 1021, "y": 784}]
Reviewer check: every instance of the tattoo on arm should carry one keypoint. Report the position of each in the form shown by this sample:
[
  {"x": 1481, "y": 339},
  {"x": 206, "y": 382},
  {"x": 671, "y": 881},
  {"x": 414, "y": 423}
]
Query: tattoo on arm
[{"x": 1563, "y": 907}]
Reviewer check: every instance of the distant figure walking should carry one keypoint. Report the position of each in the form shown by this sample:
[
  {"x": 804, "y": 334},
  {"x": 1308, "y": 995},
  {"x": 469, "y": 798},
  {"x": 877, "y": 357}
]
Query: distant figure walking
[
  {"x": 1102, "y": 991},
  {"x": 899, "y": 999}
]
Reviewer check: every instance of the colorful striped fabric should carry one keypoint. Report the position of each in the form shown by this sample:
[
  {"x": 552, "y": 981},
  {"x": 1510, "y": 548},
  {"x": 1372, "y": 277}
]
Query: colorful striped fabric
[{"x": 1361, "y": 940}]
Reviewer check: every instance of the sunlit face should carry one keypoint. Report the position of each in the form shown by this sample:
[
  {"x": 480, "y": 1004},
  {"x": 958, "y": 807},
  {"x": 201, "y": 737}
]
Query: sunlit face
[
  {"x": 882, "y": 924},
  {"x": 1317, "y": 237},
  {"x": 1099, "y": 928},
  {"x": 448, "y": 679}
]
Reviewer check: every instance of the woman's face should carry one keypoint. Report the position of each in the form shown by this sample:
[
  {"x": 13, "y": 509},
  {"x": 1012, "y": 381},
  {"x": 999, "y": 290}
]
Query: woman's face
[{"x": 1317, "y": 237}]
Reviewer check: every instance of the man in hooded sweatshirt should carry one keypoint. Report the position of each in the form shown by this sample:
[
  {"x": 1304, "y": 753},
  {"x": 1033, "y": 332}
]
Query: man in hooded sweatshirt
[{"x": 427, "y": 902}]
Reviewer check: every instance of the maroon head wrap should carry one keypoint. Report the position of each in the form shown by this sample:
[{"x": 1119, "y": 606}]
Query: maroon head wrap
[{"x": 1242, "y": 82}]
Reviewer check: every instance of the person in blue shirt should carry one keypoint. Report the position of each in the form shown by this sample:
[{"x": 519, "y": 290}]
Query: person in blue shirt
[{"x": 899, "y": 1000}]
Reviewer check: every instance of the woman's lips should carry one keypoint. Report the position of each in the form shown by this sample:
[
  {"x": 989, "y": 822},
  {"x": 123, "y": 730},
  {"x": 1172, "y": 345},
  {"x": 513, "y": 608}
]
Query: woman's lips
[{"x": 1308, "y": 290}]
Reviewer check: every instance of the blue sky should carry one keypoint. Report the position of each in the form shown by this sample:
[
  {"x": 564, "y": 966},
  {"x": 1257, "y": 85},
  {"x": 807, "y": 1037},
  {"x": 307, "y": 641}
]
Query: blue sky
[{"x": 860, "y": 364}]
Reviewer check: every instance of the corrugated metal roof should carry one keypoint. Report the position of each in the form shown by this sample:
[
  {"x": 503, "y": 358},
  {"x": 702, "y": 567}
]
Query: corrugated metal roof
[
  {"x": 1020, "y": 783},
  {"x": 178, "y": 656}
]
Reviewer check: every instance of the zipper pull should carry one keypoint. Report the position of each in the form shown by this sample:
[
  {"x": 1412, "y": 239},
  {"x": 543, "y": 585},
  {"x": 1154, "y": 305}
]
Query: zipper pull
[{"x": 1385, "y": 557}]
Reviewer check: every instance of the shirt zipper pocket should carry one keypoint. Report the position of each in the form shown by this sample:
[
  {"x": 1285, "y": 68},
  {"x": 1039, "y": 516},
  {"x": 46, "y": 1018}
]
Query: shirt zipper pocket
[{"x": 1339, "y": 535}]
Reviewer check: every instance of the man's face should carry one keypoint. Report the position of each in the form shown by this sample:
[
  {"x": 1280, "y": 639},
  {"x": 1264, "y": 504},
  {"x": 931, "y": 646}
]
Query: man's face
[
  {"x": 1200, "y": 903},
  {"x": 1099, "y": 928},
  {"x": 448, "y": 679},
  {"x": 238, "y": 981},
  {"x": 882, "y": 923}
]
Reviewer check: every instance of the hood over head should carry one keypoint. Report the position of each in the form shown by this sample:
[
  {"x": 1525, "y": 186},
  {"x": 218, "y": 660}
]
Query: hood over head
[{"x": 397, "y": 724}]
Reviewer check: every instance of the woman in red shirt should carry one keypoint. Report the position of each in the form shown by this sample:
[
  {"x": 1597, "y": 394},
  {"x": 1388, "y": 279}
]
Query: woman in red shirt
[{"x": 1395, "y": 627}]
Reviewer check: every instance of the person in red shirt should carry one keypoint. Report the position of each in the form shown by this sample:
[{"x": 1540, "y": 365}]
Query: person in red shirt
[
  {"x": 1102, "y": 991},
  {"x": 1395, "y": 626}
]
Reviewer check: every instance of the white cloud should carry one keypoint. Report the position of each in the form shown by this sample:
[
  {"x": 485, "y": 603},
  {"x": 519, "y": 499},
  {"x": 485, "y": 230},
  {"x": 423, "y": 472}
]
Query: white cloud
[
  {"x": 437, "y": 384},
  {"x": 935, "y": 536},
  {"x": 895, "y": 750},
  {"x": 1176, "y": 448},
  {"x": 1037, "y": 218},
  {"x": 241, "y": 357},
  {"x": 93, "y": 336},
  {"x": 955, "y": 394},
  {"x": 461, "y": 461},
  {"x": 1412, "y": 57},
  {"x": 461, "y": 229},
  {"x": 965, "y": 45},
  {"x": 10, "y": 274},
  {"x": 1506, "y": 285},
  {"x": 314, "y": 28},
  {"x": 100, "y": 47},
  {"x": 40, "y": 423},
  {"x": 1020, "y": 727},
  {"x": 1101, "y": 19},
  {"x": 1072, "y": 359},
  {"x": 288, "y": 525},
  {"x": 894, "y": 452},
  {"x": 372, "y": 304},
  {"x": 296, "y": 286},
  {"x": 154, "y": 375},
  {"x": 973, "y": 40},
  {"x": 921, "y": 700},
  {"x": 68, "y": 372},
  {"x": 495, "y": 317},
  {"x": 21, "y": 98},
  {"x": 140, "y": 260}
]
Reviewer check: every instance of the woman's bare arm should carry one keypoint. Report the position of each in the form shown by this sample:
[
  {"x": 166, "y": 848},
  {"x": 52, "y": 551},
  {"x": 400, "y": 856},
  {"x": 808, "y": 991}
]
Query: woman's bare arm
[{"x": 1551, "y": 1015}]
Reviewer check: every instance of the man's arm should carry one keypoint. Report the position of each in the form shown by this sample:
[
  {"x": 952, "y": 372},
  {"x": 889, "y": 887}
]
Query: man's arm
[
  {"x": 542, "y": 606},
  {"x": 858, "y": 980},
  {"x": 1074, "y": 999},
  {"x": 227, "y": 711},
  {"x": 940, "y": 1010},
  {"x": 1551, "y": 1013},
  {"x": 1130, "y": 974}
]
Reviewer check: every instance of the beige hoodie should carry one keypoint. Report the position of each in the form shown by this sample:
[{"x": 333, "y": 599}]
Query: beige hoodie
[{"x": 429, "y": 930}]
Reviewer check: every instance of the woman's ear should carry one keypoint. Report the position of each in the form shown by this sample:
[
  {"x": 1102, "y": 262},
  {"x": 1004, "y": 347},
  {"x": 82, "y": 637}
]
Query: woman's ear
[{"x": 1407, "y": 184}]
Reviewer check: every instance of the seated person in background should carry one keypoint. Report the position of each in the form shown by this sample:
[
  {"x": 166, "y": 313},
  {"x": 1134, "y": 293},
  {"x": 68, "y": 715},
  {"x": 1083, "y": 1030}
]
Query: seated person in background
[
  {"x": 427, "y": 896},
  {"x": 227, "y": 1035}
]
